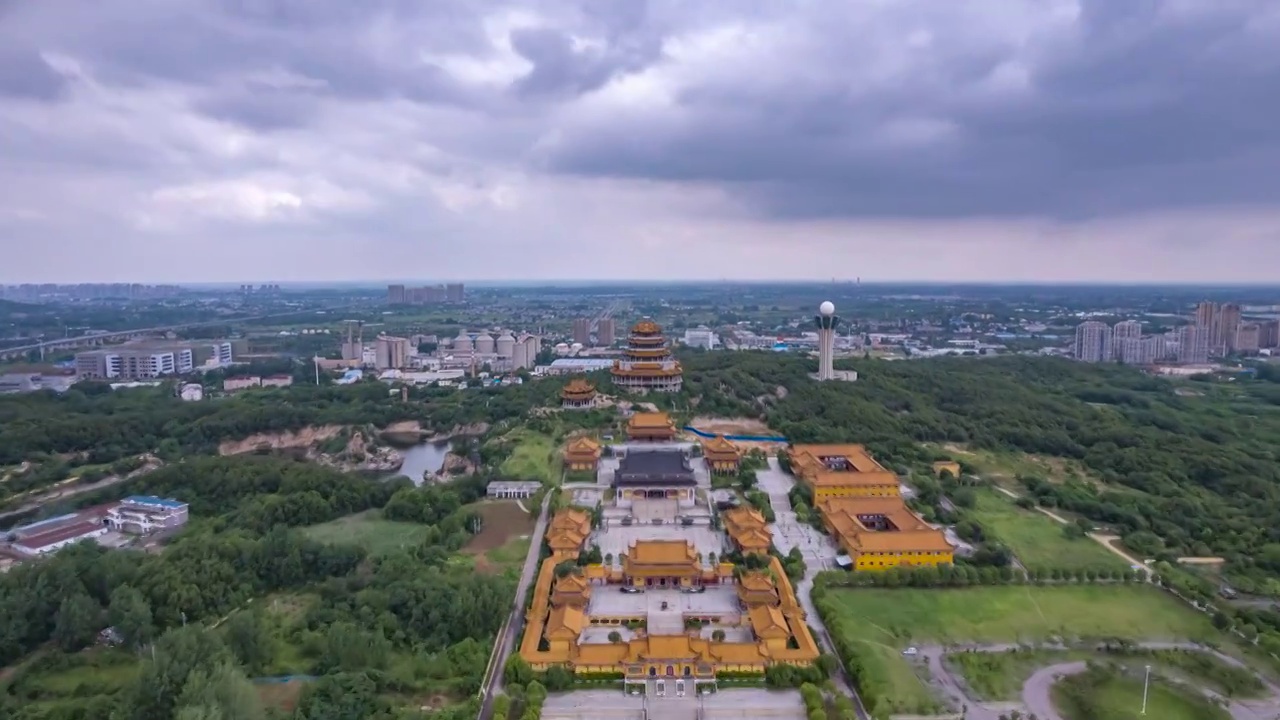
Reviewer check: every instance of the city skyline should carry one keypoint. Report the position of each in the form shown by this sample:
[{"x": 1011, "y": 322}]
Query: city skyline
[{"x": 1070, "y": 141}]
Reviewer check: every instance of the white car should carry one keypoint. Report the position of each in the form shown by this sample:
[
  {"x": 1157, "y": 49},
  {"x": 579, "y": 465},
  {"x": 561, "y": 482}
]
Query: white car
[{"x": 911, "y": 652}]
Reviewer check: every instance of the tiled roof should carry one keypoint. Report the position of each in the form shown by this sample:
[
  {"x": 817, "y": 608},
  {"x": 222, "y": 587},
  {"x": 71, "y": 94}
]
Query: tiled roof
[
  {"x": 661, "y": 552},
  {"x": 651, "y": 420}
]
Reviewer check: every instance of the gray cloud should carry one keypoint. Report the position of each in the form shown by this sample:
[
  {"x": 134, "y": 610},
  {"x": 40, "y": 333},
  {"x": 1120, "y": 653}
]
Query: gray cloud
[{"x": 456, "y": 124}]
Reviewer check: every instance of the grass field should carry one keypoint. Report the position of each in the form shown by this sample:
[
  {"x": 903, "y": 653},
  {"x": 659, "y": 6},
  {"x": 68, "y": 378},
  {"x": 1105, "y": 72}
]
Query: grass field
[
  {"x": 1036, "y": 539},
  {"x": 503, "y": 541},
  {"x": 369, "y": 531},
  {"x": 534, "y": 457},
  {"x": 886, "y": 621},
  {"x": 1000, "y": 676},
  {"x": 1120, "y": 698}
]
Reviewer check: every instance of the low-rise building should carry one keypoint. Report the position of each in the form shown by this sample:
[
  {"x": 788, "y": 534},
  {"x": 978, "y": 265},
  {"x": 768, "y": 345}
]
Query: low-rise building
[
  {"x": 578, "y": 394},
  {"x": 882, "y": 532},
  {"x": 832, "y": 471},
  {"x": 512, "y": 489},
  {"x": 582, "y": 454},
  {"x": 748, "y": 529},
  {"x": 146, "y": 514},
  {"x": 657, "y": 474},
  {"x": 650, "y": 427},
  {"x": 49, "y": 536},
  {"x": 721, "y": 455}
]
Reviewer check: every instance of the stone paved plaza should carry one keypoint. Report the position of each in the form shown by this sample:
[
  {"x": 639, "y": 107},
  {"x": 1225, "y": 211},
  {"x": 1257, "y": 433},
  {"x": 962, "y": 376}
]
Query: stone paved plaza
[{"x": 738, "y": 703}]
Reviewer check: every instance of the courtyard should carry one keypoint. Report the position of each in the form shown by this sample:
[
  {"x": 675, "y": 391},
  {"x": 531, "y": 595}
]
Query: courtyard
[
  {"x": 737, "y": 703},
  {"x": 716, "y": 600}
]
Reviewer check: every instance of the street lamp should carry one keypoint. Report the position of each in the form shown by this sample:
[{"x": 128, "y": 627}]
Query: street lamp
[{"x": 1146, "y": 683}]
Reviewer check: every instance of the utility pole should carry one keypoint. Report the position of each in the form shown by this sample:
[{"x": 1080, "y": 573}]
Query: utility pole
[{"x": 1146, "y": 683}]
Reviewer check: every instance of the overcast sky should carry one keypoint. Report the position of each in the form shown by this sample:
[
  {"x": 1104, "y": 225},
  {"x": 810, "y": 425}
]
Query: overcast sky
[{"x": 287, "y": 140}]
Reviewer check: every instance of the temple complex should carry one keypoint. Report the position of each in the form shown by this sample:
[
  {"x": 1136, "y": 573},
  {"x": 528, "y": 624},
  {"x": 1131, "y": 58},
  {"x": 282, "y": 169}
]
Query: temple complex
[
  {"x": 581, "y": 454},
  {"x": 880, "y": 533},
  {"x": 651, "y": 427},
  {"x": 656, "y": 474},
  {"x": 721, "y": 455},
  {"x": 647, "y": 364},
  {"x": 747, "y": 529},
  {"x": 834, "y": 471},
  {"x": 578, "y": 394},
  {"x": 683, "y": 617}
]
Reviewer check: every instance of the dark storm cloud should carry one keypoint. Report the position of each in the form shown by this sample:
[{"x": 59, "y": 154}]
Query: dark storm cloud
[
  {"x": 1135, "y": 107},
  {"x": 559, "y": 68}
]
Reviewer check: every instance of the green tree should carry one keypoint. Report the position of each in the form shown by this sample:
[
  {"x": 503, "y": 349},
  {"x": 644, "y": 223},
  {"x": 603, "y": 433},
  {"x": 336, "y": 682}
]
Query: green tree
[
  {"x": 130, "y": 615},
  {"x": 220, "y": 692},
  {"x": 247, "y": 638},
  {"x": 77, "y": 622},
  {"x": 165, "y": 672}
]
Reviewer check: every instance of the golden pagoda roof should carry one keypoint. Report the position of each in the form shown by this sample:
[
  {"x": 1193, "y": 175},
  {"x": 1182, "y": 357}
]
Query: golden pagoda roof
[
  {"x": 650, "y": 420},
  {"x": 646, "y": 327},
  {"x": 661, "y": 552},
  {"x": 569, "y": 529},
  {"x": 565, "y": 623},
  {"x": 767, "y": 622},
  {"x": 572, "y": 583},
  {"x": 719, "y": 444},
  {"x": 578, "y": 386},
  {"x": 582, "y": 445},
  {"x": 757, "y": 580}
]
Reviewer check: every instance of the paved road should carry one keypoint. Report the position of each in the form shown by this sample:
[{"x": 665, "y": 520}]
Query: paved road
[
  {"x": 1036, "y": 693},
  {"x": 777, "y": 484},
  {"x": 515, "y": 621}
]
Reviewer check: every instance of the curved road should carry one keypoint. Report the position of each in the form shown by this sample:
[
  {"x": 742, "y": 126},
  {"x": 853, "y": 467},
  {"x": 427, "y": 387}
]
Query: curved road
[{"x": 1037, "y": 692}]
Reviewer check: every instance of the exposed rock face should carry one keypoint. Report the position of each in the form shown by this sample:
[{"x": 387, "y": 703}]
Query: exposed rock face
[
  {"x": 360, "y": 452},
  {"x": 304, "y": 438},
  {"x": 472, "y": 429}
]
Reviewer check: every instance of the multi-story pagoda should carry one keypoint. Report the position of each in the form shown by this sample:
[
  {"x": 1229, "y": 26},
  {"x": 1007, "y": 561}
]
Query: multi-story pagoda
[
  {"x": 578, "y": 394},
  {"x": 647, "y": 364}
]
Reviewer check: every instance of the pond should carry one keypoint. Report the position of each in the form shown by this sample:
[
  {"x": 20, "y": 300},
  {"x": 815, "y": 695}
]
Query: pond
[{"x": 422, "y": 458}]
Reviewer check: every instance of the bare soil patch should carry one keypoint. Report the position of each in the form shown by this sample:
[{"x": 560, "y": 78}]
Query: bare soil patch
[
  {"x": 503, "y": 520},
  {"x": 281, "y": 695},
  {"x": 731, "y": 426}
]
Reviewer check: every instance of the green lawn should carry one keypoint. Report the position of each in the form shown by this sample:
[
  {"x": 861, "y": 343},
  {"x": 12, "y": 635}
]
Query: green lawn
[
  {"x": 1000, "y": 676},
  {"x": 884, "y": 622},
  {"x": 370, "y": 531},
  {"x": 534, "y": 457},
  {"x": 1120, "y": 698},
  {"x": 1037, "y": 540}
]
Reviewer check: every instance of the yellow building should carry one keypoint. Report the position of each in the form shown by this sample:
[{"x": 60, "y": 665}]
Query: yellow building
[
  {"x": 950, "y": 466},
  {"x": 721, "y": 455},
  {"x": 568, "y": 531},
  {"x": 651, "y": 427},
  {"x": 773, "y": 615},
  {"x": 835, "y": 471},
  {"x": 581, "y": 454},
  {"x": 578, "y": 394},
  {"x": 880, "y": 533},
  {"x": 661, "y": 563},
  {"x": 646, "y": 364},
  {"x": 748, "y": 529}
]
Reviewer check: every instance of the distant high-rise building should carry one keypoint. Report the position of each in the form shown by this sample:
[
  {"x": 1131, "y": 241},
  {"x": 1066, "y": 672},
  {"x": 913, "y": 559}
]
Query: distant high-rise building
[
  {"x": 1126, "y": 337},
  {"x": 1093, "y": 341},
  {"x": 1269, "y": 334},
  {"x": 1221, "y": 321},
  {"x": 454, "y": 292},
  {"x": 582, "y": 330},
  {"x": 1248, "y": 338},
  {"x": 606, "y": 332},
  {"x": 1193, "y": 345},
  {"x": 395, "y": 294}
]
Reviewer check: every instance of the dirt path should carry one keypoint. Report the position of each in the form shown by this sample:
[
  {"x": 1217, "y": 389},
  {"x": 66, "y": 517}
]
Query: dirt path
[{"x": 1102, "y": 539}]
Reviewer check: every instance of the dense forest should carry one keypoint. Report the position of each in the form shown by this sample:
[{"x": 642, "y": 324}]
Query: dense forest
[
  {"x": 1186, "y": 468},
  {"x": 377, "y": 629}
]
